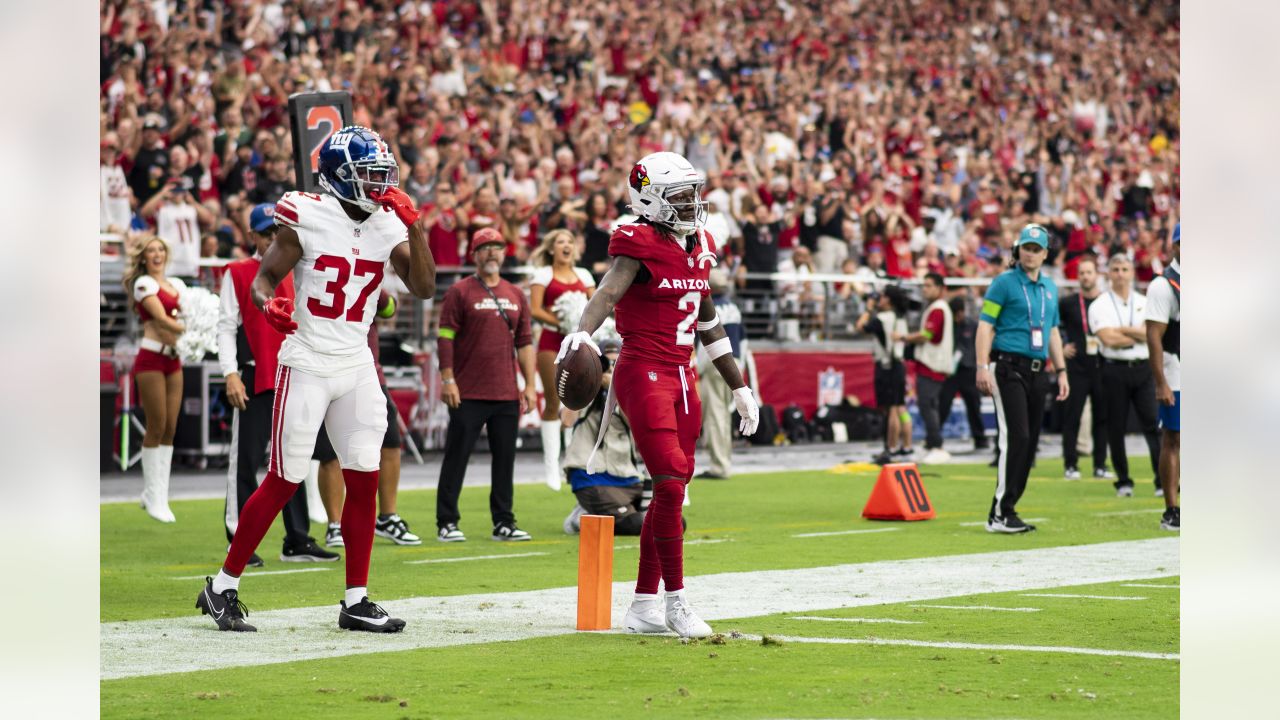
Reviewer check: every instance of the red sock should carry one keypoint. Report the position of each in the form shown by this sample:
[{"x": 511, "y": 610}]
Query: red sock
[
  {"x": 260, "y": 510},
  {"x": 650, "y": 567},
  {"x": 668, "y": 534},
  {"x": 359, "y": 513}
]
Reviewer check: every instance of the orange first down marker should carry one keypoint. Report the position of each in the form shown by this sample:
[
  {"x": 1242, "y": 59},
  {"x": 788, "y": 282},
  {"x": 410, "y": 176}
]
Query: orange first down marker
[
  {"x": 595, "y": 572},
  {"x": 898, "y": 495}
]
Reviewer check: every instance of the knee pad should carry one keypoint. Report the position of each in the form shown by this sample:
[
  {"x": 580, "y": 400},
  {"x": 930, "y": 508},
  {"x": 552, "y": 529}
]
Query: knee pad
[{"x": 364, "y": 451}]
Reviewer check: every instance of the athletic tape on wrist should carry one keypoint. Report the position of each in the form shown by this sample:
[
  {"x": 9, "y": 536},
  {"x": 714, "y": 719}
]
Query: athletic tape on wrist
[
  {"x": 719, "y": 347},
  {"x": 707, "y": 325}
]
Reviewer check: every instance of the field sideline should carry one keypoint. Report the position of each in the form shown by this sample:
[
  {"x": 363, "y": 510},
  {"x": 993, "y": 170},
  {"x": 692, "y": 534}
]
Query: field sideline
[{"x": 1089, "y": 600}]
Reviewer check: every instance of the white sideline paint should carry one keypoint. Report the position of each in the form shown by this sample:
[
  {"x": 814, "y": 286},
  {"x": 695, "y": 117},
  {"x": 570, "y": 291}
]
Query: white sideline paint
[
  {"x": 256, "y": 574},
  {"x": 703, "y": 541},
  {"x": 983, "y": 523},
  {"x": 1084, "y": 597},
  {"x": 858, "y": 620},
  {"x": 473, "y": 557},
  {"x": 976, "y": 607},
  {"x": 1128, "y": 512},
  {"x": 846, "y": 532},
  {"x": 162, "y": 646},
  {"x": 974, "y": 646},
  {"x": 1150, "y": 585}
]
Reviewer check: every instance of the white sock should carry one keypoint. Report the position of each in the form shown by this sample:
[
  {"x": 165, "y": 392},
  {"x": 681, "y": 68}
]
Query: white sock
[
  {"x": 223, "y": 582},
  {"x": 355, "y": 595}
]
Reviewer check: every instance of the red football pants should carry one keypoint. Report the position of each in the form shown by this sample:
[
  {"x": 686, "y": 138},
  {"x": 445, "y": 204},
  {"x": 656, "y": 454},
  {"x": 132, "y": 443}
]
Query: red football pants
[{"x": 661, "y": 404}]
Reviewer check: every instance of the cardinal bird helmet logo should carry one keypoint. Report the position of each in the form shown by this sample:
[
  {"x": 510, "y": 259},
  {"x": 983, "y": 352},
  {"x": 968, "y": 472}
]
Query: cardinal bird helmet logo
[{"x": 639, "y": 177}]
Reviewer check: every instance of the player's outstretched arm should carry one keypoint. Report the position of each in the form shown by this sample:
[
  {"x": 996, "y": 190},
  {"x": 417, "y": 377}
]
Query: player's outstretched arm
[
  {"x": 610, "y": 291},
  {"x": 414, "y": 263},
  {"x": 285, "y": 252}
]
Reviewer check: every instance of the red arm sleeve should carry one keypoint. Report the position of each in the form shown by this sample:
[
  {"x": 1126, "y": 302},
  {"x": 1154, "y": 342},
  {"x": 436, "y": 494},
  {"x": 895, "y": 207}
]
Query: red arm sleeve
[{"x": 933, "y": 324}]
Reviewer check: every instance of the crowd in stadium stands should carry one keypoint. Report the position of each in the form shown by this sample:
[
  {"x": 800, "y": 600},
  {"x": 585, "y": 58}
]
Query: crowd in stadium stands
[{"x": 888, "y": 138}]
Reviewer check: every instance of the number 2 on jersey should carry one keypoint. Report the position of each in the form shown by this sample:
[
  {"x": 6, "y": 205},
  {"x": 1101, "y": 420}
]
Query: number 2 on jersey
[
  {"x": 684, "y": 330},
  {"x": 337, "y": 287}
]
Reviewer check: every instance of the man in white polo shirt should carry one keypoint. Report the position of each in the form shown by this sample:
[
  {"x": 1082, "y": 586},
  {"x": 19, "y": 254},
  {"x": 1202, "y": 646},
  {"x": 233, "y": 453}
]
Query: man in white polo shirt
[{"x": 1118, "y": 319}]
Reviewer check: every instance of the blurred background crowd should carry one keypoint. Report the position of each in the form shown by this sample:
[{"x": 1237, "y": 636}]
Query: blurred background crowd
[{"x": 871, "y": 138}]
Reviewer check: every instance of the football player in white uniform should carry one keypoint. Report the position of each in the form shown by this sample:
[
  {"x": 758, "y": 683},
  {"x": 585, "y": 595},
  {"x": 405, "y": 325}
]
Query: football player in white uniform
[{"x": 337, "y": 244}]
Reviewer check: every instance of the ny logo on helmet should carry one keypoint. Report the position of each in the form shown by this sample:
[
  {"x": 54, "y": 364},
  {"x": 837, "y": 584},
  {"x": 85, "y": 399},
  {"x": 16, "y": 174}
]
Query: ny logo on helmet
[{"x": 639, "y": 177}]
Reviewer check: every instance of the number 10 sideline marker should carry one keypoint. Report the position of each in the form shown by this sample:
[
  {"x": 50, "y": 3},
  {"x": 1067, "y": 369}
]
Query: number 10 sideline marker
[{"x": 898, "y": 495}]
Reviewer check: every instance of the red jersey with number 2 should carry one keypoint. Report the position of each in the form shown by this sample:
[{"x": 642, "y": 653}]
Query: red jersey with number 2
[
  {"x": 336, "y": 281},
  {"x": 658, "y": 318}
]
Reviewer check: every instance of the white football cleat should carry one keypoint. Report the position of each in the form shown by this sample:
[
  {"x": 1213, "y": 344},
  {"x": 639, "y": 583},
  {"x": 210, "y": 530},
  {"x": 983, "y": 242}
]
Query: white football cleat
[
  {"x": 645, "y": 615},
  {"x": 682, "y": 619}
]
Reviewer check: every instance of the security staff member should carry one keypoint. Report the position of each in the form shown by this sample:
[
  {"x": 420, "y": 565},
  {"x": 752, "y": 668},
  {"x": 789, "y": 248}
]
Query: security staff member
[
  {"x": 1119, "y": 320},
  {"x": 1084, "y": 371},
  {"x": 1019, "y": 331},
  {"x": 247, "y": 349}
]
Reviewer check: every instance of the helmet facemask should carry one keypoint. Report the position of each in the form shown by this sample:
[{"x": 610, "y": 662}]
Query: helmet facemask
[
  {"x": 360, "y": 181},
  {"x": 683, "y": 210}
]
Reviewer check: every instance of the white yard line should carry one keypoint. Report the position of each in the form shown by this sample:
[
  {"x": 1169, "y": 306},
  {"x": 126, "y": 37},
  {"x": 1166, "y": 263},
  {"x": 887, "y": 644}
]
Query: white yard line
[
  {"x": 473, "y": 557},
  {"x": 977, "y": 607},
  {"x": 703, "y": 541},
  {"x": 983, "y": 523},
  {"x": 1128, "y": 512},
  {"x": 974, "y": 646},
  {"x": 251, "y": 573},
  {"x": 845, "y": 532},
  {"x": 890, "y": 621},
  {"x": 1150, "y": 585},
  {"x": 1084, "y": 597},
  {"x": 157, "y": 647}
]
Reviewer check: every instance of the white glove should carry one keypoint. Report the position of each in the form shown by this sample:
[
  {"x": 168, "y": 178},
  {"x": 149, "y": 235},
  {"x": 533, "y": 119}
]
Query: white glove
[
  {"x": 745, "y": 403},
  {"x": 571, "y": 343}
]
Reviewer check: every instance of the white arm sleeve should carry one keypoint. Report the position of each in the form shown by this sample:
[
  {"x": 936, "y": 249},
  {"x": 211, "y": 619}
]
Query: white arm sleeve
[
  {"x": 145, "y": 287},
  {"x": 228, "y": 322}
]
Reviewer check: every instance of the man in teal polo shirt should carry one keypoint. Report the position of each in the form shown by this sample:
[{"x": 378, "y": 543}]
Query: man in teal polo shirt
[{"x": 1018, "y": 332}]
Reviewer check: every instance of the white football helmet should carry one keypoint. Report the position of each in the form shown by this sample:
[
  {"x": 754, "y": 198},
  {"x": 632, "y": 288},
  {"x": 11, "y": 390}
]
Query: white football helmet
[{"x": 655, "y": 180}]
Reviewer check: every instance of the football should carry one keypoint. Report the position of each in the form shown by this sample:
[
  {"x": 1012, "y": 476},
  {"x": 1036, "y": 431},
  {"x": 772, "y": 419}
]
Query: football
[{"x": 578, "y": 377}]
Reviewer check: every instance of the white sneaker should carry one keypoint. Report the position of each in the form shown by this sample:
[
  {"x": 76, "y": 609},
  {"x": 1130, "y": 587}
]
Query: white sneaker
[
  {"x": 1071, "y": 474},
  {"x": 1124, "y": 491},
  {"x": 936, "y": 456},
  {"x": 682, "y": 619},
  {"x": 645, "y": 615},
  {"x": 571, "y": 523}
]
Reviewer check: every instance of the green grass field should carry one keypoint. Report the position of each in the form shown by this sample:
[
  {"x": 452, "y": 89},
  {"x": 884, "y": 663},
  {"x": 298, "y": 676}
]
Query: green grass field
[{"x": 756, "y": 518}]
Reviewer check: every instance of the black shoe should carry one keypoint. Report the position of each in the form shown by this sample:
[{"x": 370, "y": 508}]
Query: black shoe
[
  {"x": 708, "y": 475},
  {"x": 883, "y": 458},
  {"x": 367, "y": 616},
  {"x": 255, "y": 561},
  {"x": 306, "y": 552},
  {"x": 981, "y": 444},
  {"x": 1172, "y": 519},
  {"x": 1010, "y": 524},
  {"x": 508, "y": 532},
  {"x": 225, "y": 608},
  {"x": 903, "y": 453}
]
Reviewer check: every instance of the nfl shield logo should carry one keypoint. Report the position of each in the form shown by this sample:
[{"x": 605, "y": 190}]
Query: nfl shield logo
[
  {"x": 690, "y": 262},
  {"x": 653, "y": 376}
]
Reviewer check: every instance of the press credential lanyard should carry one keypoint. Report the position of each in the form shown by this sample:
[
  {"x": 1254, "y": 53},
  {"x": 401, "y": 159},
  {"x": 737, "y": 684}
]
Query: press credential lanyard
[{"x": 1115, "y": 305}]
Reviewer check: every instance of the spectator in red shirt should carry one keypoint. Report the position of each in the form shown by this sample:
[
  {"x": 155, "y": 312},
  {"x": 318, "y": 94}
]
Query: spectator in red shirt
[{"x": 485, "y": 334}]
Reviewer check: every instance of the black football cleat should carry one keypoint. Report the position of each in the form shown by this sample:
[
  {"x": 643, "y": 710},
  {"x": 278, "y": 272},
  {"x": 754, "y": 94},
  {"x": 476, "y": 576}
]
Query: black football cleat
[
  {"x": 367, "y": 616},
  {"x": 225, "y": 608}
]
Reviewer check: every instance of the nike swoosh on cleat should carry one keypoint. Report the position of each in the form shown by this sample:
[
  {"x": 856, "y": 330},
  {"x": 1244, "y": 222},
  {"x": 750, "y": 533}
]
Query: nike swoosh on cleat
[
  {"x": 371, "y": 621},
  {"x": 209, "y": 602}
]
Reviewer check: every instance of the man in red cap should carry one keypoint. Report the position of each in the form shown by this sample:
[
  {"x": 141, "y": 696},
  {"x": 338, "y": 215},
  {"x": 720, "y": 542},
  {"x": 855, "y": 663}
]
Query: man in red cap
[{"x": 484, "y": 335}]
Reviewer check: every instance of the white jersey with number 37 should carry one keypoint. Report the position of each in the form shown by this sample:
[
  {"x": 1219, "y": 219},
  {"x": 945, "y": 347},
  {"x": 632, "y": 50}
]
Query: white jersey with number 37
[{"x": 335, "y": 282}]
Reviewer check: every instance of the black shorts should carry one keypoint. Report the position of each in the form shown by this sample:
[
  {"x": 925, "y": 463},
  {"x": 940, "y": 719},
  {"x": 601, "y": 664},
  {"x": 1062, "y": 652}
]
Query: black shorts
[
  {"x": 891, "y": 385},
  {"x": 324, "y": 451}
]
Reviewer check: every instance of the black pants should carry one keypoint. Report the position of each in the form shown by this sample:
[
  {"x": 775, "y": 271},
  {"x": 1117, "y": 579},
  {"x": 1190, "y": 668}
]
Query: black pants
[
  {"x": 1130, "y": 386},
  {"x": 502, "y": 418},
  {"x": 1086, "y": 384},
  {"x": 929, "y": 391},
  {"x": 965, "y": 384},
  {"x": 251, "y": 431},
  {"x": 1019, "y": 399}
]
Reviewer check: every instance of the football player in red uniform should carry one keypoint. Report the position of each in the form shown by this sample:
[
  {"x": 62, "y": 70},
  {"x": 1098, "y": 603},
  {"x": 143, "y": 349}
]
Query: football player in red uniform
[{"x": 658, "y": 286}]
